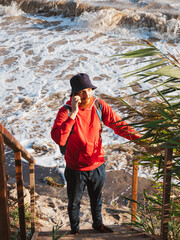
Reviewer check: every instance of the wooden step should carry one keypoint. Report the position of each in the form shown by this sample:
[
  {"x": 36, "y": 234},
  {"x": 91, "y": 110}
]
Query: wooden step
[{"x": 120, "y": 232}]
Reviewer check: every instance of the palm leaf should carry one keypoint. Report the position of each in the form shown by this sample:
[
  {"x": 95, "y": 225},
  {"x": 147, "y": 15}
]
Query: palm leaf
[
  {"x": 167, "y": 102},
  {"x": 164, "y": 114},
  {"x": 147, "y": 67},
  {"x": 169, "y": 71}
]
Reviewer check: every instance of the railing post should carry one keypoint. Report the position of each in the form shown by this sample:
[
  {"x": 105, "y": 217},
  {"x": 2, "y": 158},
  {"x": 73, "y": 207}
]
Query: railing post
[
  {"x": 4, "y": 209},
  {"x": 19, "y": 181},
  {"x": 32, "y": 192},
  {"x": 166, "y": 193},
  {"x": 134, "y": 191}
]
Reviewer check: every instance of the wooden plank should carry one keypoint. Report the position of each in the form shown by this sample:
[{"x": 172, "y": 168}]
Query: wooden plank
[
  {"x": 14, "y": 144},
  {"x": 32, "y": 192},
  {"x": 134, "y": 191},
  {"x": 19, "y": 181},
  {"x": 4, "y": 209},
  {"x": 121, "y": 232},
  {"x": 166, "y": 193}
]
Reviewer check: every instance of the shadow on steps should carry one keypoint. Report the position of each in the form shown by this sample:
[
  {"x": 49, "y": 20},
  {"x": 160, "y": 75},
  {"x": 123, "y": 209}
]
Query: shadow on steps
[{"x": 121, "y": 232}]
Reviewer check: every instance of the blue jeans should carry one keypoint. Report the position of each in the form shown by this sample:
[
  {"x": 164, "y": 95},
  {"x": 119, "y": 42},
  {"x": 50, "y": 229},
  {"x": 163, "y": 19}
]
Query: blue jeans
[{"x": 76, "y": 182}]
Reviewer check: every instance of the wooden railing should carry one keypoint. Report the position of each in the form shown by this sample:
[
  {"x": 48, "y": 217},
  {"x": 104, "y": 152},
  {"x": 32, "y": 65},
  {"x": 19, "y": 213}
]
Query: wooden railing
[
  {"x": 166, "y": 193},
  {"x": 19, "y": 151}
]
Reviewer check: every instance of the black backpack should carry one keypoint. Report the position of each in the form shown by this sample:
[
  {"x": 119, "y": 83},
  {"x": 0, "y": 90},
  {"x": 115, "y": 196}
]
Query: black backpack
[{"x": 99, "y": 113}]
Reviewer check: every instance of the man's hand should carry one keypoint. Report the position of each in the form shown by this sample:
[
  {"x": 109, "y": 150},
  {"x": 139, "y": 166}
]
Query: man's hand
[{"x": 76, "y": 100}]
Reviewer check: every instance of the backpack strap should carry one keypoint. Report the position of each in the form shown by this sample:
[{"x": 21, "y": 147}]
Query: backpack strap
[
  {"x": 68, "y": 108},
  {"x": 98, "y": 107},
  {"x": 63, "y": 148}
]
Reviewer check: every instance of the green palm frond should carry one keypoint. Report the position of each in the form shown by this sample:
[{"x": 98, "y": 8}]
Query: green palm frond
[{"x": 157, "y": 113}]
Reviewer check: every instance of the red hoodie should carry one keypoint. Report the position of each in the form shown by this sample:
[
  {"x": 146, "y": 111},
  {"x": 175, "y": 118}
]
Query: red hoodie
[{"x": 84, "y": 149}]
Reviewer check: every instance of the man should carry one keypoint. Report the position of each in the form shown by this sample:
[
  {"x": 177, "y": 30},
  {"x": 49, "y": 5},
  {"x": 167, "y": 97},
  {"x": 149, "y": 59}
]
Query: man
[{"x": 84, "y": 152}]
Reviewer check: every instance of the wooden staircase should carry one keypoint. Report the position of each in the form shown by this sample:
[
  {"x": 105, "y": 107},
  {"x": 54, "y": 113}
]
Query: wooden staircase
[{"x": 120, "y": 232}]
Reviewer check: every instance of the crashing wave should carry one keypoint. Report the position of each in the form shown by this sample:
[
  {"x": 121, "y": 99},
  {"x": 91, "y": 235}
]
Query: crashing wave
[{"x": 108, "y": 17}]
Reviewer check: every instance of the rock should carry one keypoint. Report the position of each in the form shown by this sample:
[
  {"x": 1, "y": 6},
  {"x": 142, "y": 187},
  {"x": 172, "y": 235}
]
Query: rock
[
  {"x": 52, "y": 211},
  {"x": 13, "y": 195}
]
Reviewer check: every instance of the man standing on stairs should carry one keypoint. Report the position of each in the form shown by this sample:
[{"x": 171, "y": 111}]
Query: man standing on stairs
[{"x": 78, "y": 128}]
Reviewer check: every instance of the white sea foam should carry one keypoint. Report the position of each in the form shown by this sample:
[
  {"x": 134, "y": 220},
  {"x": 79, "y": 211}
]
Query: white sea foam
[{"x": 11, "y": 10}]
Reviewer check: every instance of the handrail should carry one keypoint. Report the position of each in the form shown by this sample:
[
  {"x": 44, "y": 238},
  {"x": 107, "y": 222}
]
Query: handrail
[
  {"x": 15, "y": 145},
  {"x": 7, "y": 138}
]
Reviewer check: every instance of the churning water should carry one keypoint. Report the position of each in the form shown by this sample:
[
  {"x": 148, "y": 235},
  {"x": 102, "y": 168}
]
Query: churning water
[{"x": 44, "y": 43}]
